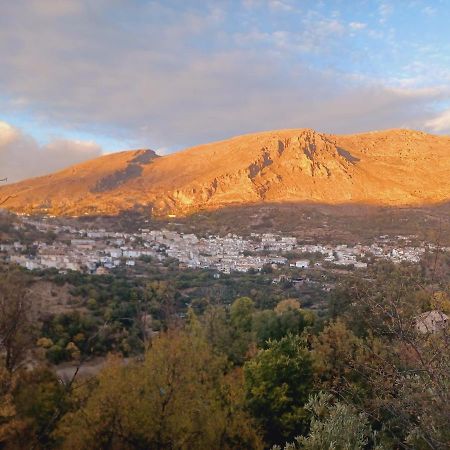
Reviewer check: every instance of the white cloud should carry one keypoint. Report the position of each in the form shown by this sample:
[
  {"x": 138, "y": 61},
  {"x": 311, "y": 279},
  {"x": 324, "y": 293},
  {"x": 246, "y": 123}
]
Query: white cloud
[
  {"x": 22, "y": 157},
  {"x": 7, "y": 134},
  {"x": 385, "y": 10},
  {"x": 169, "y": 76},
  {"x": 162, "y": 151},
  {"x": 281, "y": 5},
  {"x": 357, "y": 26},
  {"x": 440, "y": 123},
  {"x": 317, "y": 34}
]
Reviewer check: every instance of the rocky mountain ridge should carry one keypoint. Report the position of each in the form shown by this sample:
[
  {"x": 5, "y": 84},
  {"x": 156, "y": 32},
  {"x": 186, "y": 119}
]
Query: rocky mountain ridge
[{"x": 394, "y": 167}]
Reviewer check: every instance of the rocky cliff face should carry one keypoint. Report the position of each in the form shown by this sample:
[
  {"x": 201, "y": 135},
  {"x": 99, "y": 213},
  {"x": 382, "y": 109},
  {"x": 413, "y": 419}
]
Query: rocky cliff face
[{"x": 397, "y": 167}]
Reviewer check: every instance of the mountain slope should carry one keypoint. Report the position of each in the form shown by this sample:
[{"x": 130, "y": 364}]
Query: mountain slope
[{"x": 396, "y": 167}]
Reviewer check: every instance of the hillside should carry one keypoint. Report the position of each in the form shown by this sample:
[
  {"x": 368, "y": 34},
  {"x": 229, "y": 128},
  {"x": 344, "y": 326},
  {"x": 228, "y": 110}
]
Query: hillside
[{"x": 396, "y": 167}]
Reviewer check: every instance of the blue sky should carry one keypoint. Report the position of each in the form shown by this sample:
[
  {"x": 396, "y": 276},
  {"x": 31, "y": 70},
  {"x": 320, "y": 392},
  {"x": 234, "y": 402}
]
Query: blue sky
[{"x": 93, "y": 77}]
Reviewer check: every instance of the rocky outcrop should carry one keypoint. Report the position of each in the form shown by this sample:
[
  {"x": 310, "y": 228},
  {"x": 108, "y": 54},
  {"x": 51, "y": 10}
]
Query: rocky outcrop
[{"x": 397, "y": 167}]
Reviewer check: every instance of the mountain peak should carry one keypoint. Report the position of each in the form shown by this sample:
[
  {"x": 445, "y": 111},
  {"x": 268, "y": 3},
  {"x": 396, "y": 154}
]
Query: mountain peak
[{"x": 395, "y": 167}]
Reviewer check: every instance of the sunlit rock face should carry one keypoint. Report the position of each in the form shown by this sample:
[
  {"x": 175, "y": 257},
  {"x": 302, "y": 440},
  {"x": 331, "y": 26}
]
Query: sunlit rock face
[{"x": 396, "y": 167}]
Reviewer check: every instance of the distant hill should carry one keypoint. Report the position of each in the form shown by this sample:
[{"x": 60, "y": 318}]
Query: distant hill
[{"x": 395, "y": 167}]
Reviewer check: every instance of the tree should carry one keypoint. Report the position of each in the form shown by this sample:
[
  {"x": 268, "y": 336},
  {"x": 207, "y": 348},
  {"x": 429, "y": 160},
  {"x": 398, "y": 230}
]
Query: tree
[
  {"x": 230, "y": 332},
  {"x": 286, "y": 318},
  {"x": 267, "y": 327},
  {"x": 9, "y": 423},
  {"x": 289, "y": 304},
  {"x": 387, "y": 366},
  {"x": 217, "y": 329},
  {"x": 159, "y": 299},
  {"x": 16, "y": 331},
  {"x": 39, "y": 397},
  {"x": 335, "y": 426},
  {"x": 278, "y": 382},
  {"x": 241, "y": 314},
  {"x": 336, "y": 351},
  {"x": 178, "y": 398}
]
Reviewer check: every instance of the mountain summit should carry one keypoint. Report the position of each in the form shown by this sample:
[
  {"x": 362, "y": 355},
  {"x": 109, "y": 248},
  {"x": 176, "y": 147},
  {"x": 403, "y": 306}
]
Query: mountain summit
[{"x": 395, "y": 167}]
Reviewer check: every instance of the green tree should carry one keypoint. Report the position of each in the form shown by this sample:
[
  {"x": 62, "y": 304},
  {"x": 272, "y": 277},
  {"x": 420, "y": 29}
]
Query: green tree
[
  {"x": 241, "y": 314},
  {"x": 278, "y": 382},
  {"x": 333, "y": 427},
  {"x": 230, "y": 332},
  {"x": 217, "y": 329},
  {"x": 286, "y": 318}
]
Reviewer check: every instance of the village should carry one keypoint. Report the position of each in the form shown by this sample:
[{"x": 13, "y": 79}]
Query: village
[{"x": 98, "y": 251}]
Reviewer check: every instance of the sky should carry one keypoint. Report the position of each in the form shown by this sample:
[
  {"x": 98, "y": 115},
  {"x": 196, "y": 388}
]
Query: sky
[{"x": 80, "y": 78}]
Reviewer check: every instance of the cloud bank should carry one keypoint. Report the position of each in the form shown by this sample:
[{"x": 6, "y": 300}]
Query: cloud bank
[
  {"x": 22, "y": 157},
  {"x": 173, "y": 74}
]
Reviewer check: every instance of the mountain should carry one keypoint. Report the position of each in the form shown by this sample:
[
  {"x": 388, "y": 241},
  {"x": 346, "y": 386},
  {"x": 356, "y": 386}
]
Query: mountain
[{"x": 395, "y": 167}]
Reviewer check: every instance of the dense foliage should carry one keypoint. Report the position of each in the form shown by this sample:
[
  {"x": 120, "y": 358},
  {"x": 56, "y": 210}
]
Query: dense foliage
[{"x": 236, "y": 375}]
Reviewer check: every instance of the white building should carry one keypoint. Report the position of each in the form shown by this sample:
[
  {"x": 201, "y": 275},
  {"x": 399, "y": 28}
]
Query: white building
[{"x": 302, "y": 263}]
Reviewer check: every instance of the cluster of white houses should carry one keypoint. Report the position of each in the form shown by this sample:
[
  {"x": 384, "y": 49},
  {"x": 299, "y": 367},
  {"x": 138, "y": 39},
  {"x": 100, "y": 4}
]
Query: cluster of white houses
[{"x": 99, "y": 250}]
